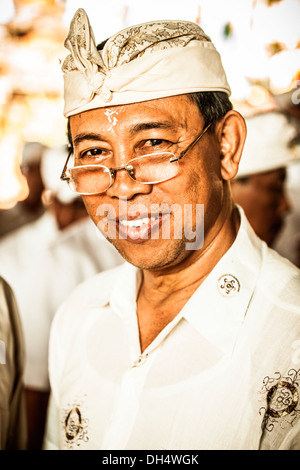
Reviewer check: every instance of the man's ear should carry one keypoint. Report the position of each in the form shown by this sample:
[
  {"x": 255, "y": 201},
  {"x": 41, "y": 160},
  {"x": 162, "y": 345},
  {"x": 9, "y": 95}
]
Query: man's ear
[{"x": 231, "y": 132}]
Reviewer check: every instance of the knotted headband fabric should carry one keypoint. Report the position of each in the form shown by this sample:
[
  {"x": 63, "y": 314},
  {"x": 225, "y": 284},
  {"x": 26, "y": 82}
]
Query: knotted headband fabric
[{"x": 143, "y": 62}]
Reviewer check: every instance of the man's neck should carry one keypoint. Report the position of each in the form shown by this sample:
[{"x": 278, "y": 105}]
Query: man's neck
[{"x": 164, "y": 292}]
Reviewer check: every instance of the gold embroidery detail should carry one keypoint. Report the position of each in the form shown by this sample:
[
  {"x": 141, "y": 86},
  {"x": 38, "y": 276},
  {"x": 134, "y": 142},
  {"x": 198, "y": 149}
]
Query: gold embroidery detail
[
  {"x": 75, "y": 426},
  {"x": 228, "y": 285},
  {"x": 281, "y": 397}
]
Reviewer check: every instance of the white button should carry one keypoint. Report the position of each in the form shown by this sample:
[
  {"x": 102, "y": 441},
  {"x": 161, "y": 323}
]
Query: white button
[
  {"x": 140, "y": 360},
  {"x": 228, "y": 285}
]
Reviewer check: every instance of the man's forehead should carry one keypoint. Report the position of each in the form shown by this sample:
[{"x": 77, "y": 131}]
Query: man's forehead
[
  {"x": 270, "y": 177},
  {"x": 165, "y": 113},
  {"x": 278, "y": 174}
]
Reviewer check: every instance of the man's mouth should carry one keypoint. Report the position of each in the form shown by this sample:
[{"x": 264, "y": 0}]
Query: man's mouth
[{"x": 140, "y": 228}]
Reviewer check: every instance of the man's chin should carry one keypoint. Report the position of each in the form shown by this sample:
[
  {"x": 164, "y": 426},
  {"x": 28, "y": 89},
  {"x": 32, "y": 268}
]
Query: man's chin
[{"x": 152, "y": 254}]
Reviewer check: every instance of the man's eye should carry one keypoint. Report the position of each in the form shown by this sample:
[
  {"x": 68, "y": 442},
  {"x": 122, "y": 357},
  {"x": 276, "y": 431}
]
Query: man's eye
[
  {"x": 91, "y": 153},
  {"x": 95, "y": 155},
  {"x": 154, "y": 142},
  {"x": 278, "y": 190},
  {"x": 159, "y": 144}
]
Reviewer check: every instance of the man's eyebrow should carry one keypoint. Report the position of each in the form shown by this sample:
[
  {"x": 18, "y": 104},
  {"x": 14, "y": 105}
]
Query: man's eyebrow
[
  {"x": 86, "y": 136},
  {"x": 144, "y": 126}
]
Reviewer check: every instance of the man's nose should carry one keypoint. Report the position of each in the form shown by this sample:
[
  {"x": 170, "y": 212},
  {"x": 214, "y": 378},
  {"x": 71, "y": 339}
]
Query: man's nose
[
  {"x": 124, "y": 187},
  {"x": 285, "y": 205}
]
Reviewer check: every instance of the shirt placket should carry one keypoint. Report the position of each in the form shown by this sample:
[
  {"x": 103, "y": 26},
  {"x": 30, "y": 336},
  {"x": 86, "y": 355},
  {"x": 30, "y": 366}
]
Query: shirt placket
[{"x": 127, "y": 403}]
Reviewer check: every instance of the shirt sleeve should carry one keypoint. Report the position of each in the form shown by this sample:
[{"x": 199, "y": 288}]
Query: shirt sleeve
[
  {"x": 13, "y": 432},
  {"x": 55, "y": 365},
  {"x": 51, "y": 440},
  {"x": 290, "y": 441}
]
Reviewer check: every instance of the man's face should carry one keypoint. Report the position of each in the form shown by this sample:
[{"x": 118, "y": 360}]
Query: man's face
[
  {"x": 35, "y": 184},
  {"x": 263, "y": 198},
  {"x": 112, "y": 136}
]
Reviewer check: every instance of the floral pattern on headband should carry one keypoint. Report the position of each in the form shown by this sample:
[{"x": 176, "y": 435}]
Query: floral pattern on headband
[
  {"x": 122, "y": 48},
  {"x": 134, "y": 42}
]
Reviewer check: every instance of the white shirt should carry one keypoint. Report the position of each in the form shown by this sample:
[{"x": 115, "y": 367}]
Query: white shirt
[{"x": 224, "y": 374}]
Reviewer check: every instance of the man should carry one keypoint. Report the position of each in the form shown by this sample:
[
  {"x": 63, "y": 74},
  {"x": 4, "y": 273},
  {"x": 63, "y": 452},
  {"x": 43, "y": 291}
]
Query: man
[
  {"x": 32, "y": 208},
  {"x": 192, "y": 343},
  {"x": 259, "y": 186},
  {"x": 12, "y": 411},
  {"x": 288, "y": 241}
]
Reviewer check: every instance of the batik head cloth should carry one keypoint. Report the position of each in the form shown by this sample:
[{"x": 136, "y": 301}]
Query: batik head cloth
[{"x": 143, "y": 62}]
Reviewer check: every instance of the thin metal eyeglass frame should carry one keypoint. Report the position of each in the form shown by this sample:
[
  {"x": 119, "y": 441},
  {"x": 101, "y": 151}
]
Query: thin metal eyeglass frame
[{"x": 112, "y": 171}]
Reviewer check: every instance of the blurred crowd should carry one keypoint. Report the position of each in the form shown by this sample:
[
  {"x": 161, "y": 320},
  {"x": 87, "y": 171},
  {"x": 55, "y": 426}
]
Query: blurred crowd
[{"x": 48, "y": 245}]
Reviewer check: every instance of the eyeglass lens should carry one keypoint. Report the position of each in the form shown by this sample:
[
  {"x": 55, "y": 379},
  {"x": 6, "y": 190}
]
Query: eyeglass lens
[{"x": 148, "y": 169}]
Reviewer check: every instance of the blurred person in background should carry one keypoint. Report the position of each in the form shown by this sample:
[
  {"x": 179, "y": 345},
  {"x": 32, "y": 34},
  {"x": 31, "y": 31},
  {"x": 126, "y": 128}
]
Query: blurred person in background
[
  {"x": 13, "y": 433},
  {"x": 288, "y": 241},
  {"x": 44, "y": 261},
  {"x": 259, "y": 187},
  {"x": 32, "y": 207}
]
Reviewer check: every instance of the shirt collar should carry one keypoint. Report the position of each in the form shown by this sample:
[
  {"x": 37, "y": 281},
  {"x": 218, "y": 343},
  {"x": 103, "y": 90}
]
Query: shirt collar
[
  {"x": 218, "y": 307},
  {"x": 123, "y": 301}
]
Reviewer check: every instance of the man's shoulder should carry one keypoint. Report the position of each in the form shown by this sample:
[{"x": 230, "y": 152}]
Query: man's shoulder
[
  {"x": 94, "y": 291},
  {"x": 281, "y": 279}
]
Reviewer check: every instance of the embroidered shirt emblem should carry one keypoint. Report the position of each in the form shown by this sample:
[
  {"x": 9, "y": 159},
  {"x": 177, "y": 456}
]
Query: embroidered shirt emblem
[
  {"x": 282, "y": 398},
  {"x": 75, "y": 426},
  {"x": 228, "y": 285}
]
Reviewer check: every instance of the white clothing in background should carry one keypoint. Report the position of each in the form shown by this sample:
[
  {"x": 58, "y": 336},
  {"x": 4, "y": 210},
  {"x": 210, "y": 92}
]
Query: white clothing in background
[{"x": 43, "y": 265}]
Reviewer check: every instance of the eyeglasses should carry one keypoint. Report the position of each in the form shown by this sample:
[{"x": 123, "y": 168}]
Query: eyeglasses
[{"x": 147, "y": 169}]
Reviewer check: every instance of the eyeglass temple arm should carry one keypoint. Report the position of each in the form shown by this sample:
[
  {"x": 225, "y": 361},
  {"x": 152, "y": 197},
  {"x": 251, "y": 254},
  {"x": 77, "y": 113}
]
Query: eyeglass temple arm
[
  {"x": 193, "y": 143},
  {"x": 63, "y": 176}
]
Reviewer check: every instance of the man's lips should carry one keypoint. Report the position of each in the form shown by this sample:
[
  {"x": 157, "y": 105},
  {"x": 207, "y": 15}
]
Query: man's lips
[{"x": 139, "y": 228}]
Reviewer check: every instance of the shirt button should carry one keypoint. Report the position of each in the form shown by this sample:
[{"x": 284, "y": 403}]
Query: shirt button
[
  {"x": 228, "y": 285},
  {"x": 140, "y": 360}
]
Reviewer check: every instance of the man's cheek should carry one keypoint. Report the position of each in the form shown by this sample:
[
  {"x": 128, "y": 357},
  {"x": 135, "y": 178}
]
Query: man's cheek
[{"x": 105, "y": 220}]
